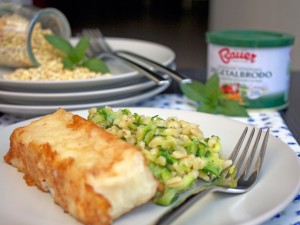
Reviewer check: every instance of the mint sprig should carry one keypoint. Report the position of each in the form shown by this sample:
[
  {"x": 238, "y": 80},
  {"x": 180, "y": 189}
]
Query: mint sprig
[
  {"x": 75, "y": 56},
  {"x": 211, "y": 98}
]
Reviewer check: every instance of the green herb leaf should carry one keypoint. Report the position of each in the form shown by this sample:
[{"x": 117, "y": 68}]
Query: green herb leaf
[
  {"x": 68, "y": 64},
  {"x": 81, "y": 48},
  {"x": 59, "y": 43},
  {"x": 212, "y": 89},
  {"x": 76, "y": 56},
  {"x": 194, "y": 90},
  {"x": 211, "y": 98},
  {"x": 207, "y": 108},
  {"x": 96, "y": 65},
  {"x": 231, "y": 108}
]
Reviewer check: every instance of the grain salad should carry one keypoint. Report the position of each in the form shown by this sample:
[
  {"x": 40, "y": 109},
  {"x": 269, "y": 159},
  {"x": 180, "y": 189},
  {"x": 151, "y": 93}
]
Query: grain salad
[
  {"x": 178, "y": 154},
  {"x": 13, "y": 42},
  {"x": 14, "y": 53},
  {"x": 53, "y": 71}
]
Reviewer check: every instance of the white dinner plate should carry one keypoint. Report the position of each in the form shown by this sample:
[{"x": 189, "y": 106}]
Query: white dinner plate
[
  {"x": 80, "y": 97},
  {"x": 277, "y": 185},
  {"x": 44, "y": 109},
  {"x": 120, "y": 72}
]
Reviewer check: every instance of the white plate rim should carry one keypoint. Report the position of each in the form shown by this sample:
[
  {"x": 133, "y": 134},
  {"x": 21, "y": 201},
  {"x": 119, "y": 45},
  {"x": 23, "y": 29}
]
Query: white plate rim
[
  {"x": 67, "y": 96},
  {"x": 214, "y": 120},
  {"x": 168, "y": 61},
  {"x": 101, "y": 80},
  {"x": 44, "y": 109}
]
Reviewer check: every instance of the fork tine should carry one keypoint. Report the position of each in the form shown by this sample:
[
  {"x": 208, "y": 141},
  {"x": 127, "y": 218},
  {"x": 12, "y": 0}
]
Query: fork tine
[
  {"x": 249, "y": 162},
  {"x": 235, "y": 151},
  {"x": 262, "y": 152},
  {"x": 94, "y": 45},
  {"x": 242, "y": 157},
  {"x": 237, "y": 147},
  {"x": 97, "y": 42},
  {"x": 247, "y": 168}
]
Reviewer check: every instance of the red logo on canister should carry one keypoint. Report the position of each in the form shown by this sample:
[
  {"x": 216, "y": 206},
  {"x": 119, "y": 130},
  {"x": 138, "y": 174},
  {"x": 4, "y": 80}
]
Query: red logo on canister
[{"x": 226, "y": 55}]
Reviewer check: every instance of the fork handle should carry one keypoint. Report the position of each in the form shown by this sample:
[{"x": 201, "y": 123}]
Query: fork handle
[
  {"x": 143, "y": 70},
  {"x": 183, "y": 205},
  {"x": 155, "y": 66}
]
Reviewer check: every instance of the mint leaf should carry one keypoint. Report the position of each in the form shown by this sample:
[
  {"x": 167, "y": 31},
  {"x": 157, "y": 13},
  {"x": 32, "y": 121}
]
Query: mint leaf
[
  {"x": 78, "y": 52},
  {"x": 68, "y": 64},
  {"x": 81, "y": 47},
  {"x": 231, "y": 108},
  {"x": 207, "y": 108},
  {"x": 96, "y": 65},
  {"x": 212, "y": 88},
  {"x": 211, "y": 98},
  {"x": 59, "y": 43},
  {"x": 194, "y": 90},
  {"x": 76, "y": 56}
]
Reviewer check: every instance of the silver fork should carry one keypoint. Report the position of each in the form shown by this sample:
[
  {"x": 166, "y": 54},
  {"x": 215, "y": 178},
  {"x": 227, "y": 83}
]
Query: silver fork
[
  {"x": 246, "y": 175},
  {"x": 99, "y": 45}
]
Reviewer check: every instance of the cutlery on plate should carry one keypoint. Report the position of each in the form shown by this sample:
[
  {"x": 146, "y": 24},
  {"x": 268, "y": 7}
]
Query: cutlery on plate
[
  {"x": 154, "y": 66},
  {"x": 246, "y": 175},
  {"x": 99, "y": 46}
]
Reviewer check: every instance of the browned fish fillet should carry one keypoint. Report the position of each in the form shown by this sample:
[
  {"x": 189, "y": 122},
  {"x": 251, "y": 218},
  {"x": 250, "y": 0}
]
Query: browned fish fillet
[{"x": 93, "y": 175}]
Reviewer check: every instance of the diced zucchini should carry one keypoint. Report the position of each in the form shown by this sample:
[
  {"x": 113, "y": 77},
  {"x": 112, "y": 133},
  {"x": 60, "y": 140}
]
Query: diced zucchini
[
  {"x": 167, "y": 155},
  {"x": 162, "y": 142},
  {"x": 187, "y": 182},
  {"x": 202, "y": 149},
  {"x": 214, "y": 165},
  {"x": 167, "y": 197}
]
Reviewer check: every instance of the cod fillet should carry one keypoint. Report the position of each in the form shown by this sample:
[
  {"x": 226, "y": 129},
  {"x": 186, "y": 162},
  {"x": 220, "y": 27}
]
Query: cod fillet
[{"x": 91, "y": 174}]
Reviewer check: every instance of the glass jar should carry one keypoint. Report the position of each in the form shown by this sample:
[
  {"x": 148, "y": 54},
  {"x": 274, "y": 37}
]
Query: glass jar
[{"x": 22, "y": 30}]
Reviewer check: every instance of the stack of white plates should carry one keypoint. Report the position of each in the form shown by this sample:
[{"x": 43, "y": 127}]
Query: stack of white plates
[{"x": 124, "y": 88}]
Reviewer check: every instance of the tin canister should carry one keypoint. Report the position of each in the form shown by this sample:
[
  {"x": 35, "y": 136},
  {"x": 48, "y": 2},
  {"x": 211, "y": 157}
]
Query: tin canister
[{"x": 253, "y": 66}]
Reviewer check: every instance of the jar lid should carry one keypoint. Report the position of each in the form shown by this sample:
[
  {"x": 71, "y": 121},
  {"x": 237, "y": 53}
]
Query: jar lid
[{"x": 250, "y": 38}]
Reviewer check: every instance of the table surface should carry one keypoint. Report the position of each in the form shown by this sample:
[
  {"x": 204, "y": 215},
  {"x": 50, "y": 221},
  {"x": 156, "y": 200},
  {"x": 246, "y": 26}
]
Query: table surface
[
  {"x": 289, "y": 215},
  {"x": 291, "y": 114}
]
